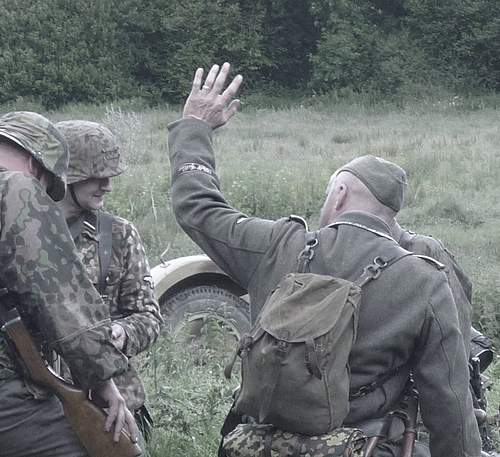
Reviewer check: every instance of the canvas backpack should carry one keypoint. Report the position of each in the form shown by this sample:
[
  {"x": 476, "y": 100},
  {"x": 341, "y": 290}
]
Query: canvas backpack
[{"x": 294, "y": 362}]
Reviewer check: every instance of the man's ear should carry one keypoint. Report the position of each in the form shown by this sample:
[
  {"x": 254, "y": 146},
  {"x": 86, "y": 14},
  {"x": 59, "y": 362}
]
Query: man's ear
[
  {"x": 35, "y": 169},
  {"x": 341, "y": 197}
]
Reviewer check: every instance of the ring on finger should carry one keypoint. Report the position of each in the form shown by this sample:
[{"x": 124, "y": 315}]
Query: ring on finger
[{"x": 206, "y": 87}]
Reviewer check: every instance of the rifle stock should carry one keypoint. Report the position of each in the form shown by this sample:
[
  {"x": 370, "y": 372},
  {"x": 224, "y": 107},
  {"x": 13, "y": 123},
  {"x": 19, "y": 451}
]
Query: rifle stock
[
  {"x": 410, "y": 420},
  {"x": 86, "y": 419}
]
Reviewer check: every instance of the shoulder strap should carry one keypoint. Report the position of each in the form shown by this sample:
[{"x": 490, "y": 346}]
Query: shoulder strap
[
  {"x": 307, "y": 254},
  {"x": 370, "y": 272},
  {"x": 432, "y": 261},
  {"x": 104, "y": 246},
  {"x": 373, "y": 270}
]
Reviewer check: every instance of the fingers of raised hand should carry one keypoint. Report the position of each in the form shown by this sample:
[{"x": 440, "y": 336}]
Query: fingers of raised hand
[
  {"x": 231, "y": 110},
  {"x": 209, "y": 82},
  {"x": 221, "y": 78},
  {"x": 198, "y": 76},
  {"x": 232, "y": 89}
]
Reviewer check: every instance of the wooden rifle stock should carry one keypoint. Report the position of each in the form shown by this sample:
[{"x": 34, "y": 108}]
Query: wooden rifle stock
[
  {"x": 407, "y": 412},
  {"x": 409, "y": 417},
  {"x": 86, "y": 419}
]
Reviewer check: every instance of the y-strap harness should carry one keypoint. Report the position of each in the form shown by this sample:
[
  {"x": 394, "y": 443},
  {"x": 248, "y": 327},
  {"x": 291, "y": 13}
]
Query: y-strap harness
[
  {"x": 370, "y": 272},
  {"x": 101, "y": 223}
]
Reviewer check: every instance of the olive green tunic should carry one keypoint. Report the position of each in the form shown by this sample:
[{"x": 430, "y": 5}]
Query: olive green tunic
[
  {"x": 460, "y": 284},
  {"x": 407, "y": 316}
]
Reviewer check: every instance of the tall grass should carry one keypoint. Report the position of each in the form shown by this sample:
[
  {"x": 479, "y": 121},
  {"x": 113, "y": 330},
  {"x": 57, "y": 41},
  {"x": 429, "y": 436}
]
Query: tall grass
[{"x": 274, "y": 162}]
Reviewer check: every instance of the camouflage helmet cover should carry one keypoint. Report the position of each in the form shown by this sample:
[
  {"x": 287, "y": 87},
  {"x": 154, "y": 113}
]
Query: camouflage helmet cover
[
  {"x": 93, "y": 150},
  {"x": 38, "y": 136}
]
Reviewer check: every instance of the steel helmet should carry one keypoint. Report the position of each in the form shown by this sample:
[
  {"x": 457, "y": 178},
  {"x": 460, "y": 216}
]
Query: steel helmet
[
  {"x": 38, "y": 136},
  {"x": 93, "y": 150}
]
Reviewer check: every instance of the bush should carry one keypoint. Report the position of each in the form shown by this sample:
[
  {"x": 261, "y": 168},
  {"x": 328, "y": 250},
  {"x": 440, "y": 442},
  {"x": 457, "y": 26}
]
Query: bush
[
  {"x": 57, "y": 51},
  {"x": 169, "y": 40}
]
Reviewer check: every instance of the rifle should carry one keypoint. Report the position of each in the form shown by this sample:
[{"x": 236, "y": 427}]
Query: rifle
[
  {"x": 86, "y": 419},
  {"x": 407, "y": 411}
]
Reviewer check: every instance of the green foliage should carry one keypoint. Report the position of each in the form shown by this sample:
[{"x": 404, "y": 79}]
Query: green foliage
[
  {"x": 189, "y": 397},
  {"x": 289, "y": 34},
  {"x": 459, "y": 38},
  {"x": 54, "y": 51},
  {"x": 365, "y": 49},
  {"x": 57, "y": 51},
  {"x": 169, "y": 40},
  {"x": 383, "y": 46}
]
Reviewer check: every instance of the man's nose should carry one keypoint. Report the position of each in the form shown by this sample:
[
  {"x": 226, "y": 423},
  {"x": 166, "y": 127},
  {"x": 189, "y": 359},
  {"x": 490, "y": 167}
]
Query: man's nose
[{"x": 106, "y": 185}]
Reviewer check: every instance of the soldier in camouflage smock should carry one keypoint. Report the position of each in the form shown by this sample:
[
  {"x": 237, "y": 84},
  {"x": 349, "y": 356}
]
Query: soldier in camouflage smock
[
  {"x": 45, "y": 279},
  {"x": 119, "y": 271}
]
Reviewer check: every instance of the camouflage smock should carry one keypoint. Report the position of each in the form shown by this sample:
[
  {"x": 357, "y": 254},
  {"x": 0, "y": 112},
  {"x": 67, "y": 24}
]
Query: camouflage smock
[
  {"x": 45, "y": 277},
  {"x": 250, "y": 440},
  {"x": 128, "y": 293}
]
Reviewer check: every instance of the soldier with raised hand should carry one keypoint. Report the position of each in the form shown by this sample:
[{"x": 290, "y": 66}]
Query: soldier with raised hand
[
  {"x": 49, "y": 285},
  {"x": 407, "y": 319},
  {"x": 111, "y": 251}
]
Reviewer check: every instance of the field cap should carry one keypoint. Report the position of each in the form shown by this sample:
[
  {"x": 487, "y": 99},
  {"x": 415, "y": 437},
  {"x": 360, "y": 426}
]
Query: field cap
[
  {"x": 93, "y": 150},
  {"x": 39, "y": 137},
  {"x": 385, "y": 180}
]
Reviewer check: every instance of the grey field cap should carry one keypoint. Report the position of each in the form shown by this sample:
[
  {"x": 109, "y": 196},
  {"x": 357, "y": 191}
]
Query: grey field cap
[
  {"x": 385, "y": 180},
  {"x": 94, "y": 151},
  {"x": 40, "y": 138}
]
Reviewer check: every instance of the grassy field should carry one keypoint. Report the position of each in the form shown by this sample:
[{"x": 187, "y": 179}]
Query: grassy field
[{"x": 276, "y": 160}]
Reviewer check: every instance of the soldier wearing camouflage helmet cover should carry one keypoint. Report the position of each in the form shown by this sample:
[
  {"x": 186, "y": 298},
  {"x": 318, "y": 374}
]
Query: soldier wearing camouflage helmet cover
[
  {"x": 126, "y": 284},
  {"x": 407, "y": 317},
  {"x": 45, "y": 279}
]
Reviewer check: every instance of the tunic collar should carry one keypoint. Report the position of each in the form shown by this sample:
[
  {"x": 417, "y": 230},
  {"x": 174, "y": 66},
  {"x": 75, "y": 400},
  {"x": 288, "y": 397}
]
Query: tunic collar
[{"x": 365, "y": 220}]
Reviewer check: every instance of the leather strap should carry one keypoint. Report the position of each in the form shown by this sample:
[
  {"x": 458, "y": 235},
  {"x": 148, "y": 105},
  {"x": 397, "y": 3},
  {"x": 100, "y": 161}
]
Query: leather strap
[
  {"x": 104, "y": 246},
  {"x": 312, "y": 362}
]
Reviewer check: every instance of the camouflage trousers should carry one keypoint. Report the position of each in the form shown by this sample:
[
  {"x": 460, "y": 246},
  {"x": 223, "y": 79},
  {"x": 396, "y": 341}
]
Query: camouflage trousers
[{"x": 253, "y": 440}]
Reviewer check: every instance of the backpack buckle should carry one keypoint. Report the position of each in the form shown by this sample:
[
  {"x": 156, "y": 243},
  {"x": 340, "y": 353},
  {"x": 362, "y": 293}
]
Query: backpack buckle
[
  {"x": 308, "y": 252},
  {"x": 373, "y": 270}
]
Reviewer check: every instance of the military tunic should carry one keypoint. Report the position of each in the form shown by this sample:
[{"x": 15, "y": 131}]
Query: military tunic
[
  {"x": 460, "y": 284},
  {"x": 61, "y": 307},
  {"x": 128, "y": 293},
  {"x": 407, "y": 316}
]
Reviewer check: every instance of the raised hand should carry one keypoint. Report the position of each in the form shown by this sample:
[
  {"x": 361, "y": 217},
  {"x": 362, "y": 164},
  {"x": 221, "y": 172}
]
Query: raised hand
[{"x": 208, "y": 102}]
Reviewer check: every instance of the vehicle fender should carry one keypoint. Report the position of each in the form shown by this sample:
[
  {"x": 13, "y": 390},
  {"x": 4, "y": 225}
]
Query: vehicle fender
[{"x": 189, "y": 270}]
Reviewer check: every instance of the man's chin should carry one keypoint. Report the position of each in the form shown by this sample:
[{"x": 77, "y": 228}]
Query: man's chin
[{"x": 97, "y": 205}]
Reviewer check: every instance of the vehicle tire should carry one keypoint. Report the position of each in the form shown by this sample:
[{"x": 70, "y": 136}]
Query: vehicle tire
[{"x": 204, "y": 314}]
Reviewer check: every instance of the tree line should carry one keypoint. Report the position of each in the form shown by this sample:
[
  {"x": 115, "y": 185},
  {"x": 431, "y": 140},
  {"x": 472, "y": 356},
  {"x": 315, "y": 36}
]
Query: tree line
[{"x": 60, "y": 51}]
